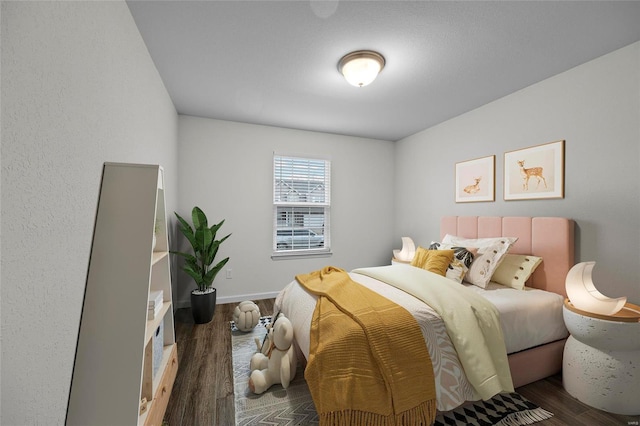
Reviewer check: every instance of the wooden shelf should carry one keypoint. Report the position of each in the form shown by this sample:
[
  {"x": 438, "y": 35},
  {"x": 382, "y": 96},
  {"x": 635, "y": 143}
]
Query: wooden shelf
[
  {"x": 165, "y": 376},
  {"x": 156, "y": 256},
  {"x": 114, "y": 363},
  {"x": 152, "y": 325}
]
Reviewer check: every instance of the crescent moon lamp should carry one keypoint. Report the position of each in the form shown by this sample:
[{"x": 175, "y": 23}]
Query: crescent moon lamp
[
  {"x": 584, "y": 295},
  {"x": 407, "y": 252}
]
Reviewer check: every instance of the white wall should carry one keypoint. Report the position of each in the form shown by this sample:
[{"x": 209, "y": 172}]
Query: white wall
[
  {"x": 595, "y": 107},
  {"x": 78, "y": 88},
  {"x": 226, "y": 168}
]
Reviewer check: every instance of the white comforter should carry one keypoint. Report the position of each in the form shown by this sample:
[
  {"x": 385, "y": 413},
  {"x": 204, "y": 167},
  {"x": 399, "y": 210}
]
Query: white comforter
[{"x": 452, "y": 385}]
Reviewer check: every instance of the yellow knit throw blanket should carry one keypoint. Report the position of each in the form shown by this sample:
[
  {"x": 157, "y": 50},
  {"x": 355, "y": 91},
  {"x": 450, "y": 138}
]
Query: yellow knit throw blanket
[{"x": 368, "y": 361}]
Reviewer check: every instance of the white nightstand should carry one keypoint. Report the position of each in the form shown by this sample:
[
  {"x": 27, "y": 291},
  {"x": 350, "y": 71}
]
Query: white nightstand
[{"x": 601, "y": 363}]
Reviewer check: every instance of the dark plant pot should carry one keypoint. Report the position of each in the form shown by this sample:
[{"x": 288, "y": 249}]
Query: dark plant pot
[{"x": 203, "y": 307}]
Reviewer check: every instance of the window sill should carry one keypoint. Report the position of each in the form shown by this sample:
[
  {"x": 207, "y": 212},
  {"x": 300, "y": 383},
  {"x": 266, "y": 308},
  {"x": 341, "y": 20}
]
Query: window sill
[{"x": 300, "y": 254}]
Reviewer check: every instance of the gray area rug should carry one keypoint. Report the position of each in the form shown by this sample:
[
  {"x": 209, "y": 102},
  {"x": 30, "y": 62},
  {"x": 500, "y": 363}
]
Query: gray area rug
[
  {"x": 277, "y": 406},
  {"x": 294, "y": 406}
]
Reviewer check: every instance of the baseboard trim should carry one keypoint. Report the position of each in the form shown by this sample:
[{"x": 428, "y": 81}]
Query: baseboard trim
[
  {"x": 240, "y": 298},
  {"x": 179, "y": 304}
]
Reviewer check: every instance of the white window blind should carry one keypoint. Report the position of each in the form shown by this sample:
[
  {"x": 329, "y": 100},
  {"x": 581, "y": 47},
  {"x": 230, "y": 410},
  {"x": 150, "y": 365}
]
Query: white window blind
[{"x": 301, "y": 205}]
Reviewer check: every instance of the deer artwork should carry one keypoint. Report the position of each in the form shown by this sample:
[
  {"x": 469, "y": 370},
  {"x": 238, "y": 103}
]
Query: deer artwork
[
  {"x": 472, "y": 189},
  {"x": 528, "y": 173}
]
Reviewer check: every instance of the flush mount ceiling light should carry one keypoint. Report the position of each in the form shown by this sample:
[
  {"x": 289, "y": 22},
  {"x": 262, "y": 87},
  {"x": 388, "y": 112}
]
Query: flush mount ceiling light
[{"x": 362, "y": 67}]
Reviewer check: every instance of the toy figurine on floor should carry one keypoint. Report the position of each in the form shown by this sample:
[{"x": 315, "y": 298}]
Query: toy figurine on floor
[
  {"x": 275, "y": 363},
  {"x": 246, "y": 316}
]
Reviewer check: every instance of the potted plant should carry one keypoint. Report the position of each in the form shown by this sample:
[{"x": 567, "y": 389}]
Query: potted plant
[{"x": 199, "y": 264}]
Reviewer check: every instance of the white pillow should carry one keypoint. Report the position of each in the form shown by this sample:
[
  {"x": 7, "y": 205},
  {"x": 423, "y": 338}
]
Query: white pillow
[
  {"x": 478, "y": 242},
  {"x": 515, "y": 270},
  {"x": 490, "y": 253}
]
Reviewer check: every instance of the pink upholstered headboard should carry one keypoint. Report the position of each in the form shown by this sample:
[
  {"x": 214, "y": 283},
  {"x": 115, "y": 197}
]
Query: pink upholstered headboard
[{"x": 551, "y": 238}]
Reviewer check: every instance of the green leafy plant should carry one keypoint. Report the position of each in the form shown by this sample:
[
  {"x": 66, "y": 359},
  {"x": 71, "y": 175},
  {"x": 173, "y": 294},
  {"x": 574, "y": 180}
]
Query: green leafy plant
[{"x": 205, "y": 248}]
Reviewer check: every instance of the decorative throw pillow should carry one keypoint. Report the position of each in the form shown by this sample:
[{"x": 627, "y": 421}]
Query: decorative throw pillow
[
  {"x": 479, "y": 243},
  {"x": 515, "y": 270},
  {"x": 490, "y": 254},
  {"x": 456, "y": 270},
  {"x": 464, "y": 254},
  {"x": 462, "y": 259},
  {"x": 436, "y": 261},
  {"x": 485, "y": 264}
]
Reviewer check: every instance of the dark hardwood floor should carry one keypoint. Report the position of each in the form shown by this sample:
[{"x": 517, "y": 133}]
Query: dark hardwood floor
[{"x": 203, "y": 390}]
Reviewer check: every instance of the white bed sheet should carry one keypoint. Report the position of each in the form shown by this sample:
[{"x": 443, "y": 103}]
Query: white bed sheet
[{"x": 529, "y": 317}]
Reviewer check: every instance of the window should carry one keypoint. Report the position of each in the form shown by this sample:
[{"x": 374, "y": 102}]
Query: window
[{"x": 301, "y": 205}]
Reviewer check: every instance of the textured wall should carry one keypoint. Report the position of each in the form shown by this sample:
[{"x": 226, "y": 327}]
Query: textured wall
[
  {"x": 227, "y": 169},
  {"x": 78, "y": 89},
  {"x": 595, "y": 107}
]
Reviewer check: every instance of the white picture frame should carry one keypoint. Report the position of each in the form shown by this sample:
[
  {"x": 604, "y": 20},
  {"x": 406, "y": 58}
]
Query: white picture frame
[
  {"x": 475, "y": 180},
  {"x": 536, "y": 172}
]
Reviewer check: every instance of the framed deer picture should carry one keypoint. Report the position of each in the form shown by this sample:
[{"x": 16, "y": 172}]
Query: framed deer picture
[
  {"x": 475, "y": 180},
  {"x": 535, "y": 172}
]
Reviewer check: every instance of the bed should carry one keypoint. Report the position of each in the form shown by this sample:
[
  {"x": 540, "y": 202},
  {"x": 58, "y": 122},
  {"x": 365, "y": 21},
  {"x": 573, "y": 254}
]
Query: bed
[{"x": 529, "y": 358}]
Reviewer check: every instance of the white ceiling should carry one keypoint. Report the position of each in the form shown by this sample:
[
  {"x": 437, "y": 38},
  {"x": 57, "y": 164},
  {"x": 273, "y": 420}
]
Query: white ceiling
[{"x": 275, "y": 62}]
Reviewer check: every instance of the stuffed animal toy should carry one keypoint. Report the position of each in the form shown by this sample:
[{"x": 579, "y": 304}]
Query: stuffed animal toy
[
  {"x": 278, "y": 365},
  {"x": 263, "y": 346},
  {"x": 246, "y": 315}
]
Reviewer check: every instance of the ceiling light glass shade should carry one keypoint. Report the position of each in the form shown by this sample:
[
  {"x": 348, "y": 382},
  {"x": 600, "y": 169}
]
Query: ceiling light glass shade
[{"x": 362, "y": 67}]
